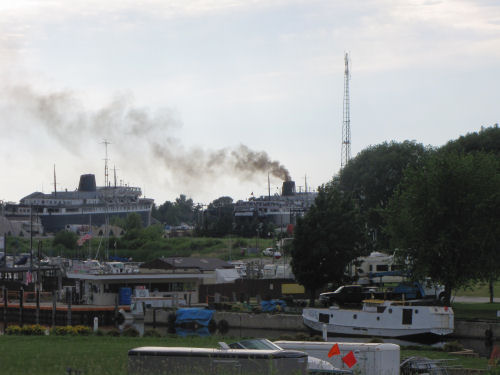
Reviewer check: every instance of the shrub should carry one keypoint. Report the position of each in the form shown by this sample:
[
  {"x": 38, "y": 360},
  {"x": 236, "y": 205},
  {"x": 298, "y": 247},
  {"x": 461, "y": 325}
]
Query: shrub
[
  {"x": 33, "y": 330},
  {"x": 151, "y": 333},
  {"x": 82, "y": 330},
  {"x": 131, "y": 332},
  {"x": 13, "y": 330},
  {"x": 62, "y": 331}
]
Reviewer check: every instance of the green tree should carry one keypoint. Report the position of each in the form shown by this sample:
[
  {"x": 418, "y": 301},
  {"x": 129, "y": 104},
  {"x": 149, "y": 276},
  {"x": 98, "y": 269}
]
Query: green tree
[
  {"x": 445, "y": 218},
  {"x": 219, "y": 217},
  {"x": 486, "y": 140},
  {"x": 65, "y": 238},
  {"x": 372, "y": 176},
  {"x": 326, "y": 240},
  {"x": 175, "y": 213},
  {"x": 133, "y": 221}
]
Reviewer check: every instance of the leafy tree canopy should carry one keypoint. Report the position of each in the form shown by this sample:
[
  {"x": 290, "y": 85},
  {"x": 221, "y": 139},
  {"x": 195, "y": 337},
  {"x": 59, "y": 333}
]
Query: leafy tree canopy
[
  {"x": 486, "y": 140},
  {"x": 175, "y": 213},
  {"x": 445, "y": 218},
  {"x": 326, "y": 239},
  {"x": 65, "y": 238},
  {"x": 373, "y": 175}
]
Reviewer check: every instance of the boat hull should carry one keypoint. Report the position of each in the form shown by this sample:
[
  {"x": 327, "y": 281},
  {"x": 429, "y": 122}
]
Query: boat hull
[
  {"x": 402, "y": 321},
  {"x": 55, "y": 222}
]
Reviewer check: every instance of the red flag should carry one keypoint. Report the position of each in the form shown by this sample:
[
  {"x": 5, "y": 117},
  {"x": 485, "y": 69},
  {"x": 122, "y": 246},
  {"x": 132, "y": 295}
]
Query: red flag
[
  {"x": 84, "y": 238},
  {"x": 334, "y": 351},
  {"x": 349, "y": 359}
]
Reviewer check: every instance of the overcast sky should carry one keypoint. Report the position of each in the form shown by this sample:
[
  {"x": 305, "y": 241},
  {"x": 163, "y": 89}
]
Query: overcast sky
[{"x": 188, "y": 91}]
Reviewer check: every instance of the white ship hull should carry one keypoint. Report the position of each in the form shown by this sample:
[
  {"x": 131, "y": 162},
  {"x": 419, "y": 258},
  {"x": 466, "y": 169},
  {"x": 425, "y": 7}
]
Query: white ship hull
[{"x": 383, "y": 319}]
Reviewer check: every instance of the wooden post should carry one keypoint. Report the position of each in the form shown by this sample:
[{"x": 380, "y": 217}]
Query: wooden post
[
  {"x": 54, "y": 307},
  {"x": 116, "y": 307},
  {"x": 37, "y": 296},
  {"x": 21, "y": 302},
  {"x": 5, "y": 307},
  {"x": 154, "y": 318},
  {"x": 69, "y": 306}
]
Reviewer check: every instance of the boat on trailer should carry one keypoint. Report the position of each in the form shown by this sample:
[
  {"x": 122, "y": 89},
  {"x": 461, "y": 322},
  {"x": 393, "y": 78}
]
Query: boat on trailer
[
  {"x": 204, "y": 361},
  {"x": 382, "y": 318}
]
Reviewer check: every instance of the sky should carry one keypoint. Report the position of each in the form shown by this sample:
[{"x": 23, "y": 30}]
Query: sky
[{"x": 206, "y": 97}]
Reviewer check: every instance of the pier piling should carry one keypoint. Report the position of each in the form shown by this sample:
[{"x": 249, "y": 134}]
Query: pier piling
[
  {"x": 21, "y": 302},
  {"x": 5, "y": 307},
  {"x": 54, "y": 308}
]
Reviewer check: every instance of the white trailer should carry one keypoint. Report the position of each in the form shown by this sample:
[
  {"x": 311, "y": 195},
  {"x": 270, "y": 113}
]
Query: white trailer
[{"x": 371, "y": 359}]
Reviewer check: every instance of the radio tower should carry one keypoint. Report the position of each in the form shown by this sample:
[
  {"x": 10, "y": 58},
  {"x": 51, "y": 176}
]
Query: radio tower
[{"x": 346, "y": 124}]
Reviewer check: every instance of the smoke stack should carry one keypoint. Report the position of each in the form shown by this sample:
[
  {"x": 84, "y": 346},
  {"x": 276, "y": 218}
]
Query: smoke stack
[
  {"x": 87, "y": 183},
  {"x": 288, "y": 188}
]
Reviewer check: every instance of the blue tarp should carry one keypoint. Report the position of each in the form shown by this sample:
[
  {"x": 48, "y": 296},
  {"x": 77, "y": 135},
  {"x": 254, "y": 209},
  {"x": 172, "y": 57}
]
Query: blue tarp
[
  {"x": 272, "y": 305},
  {"x": 194, "y": 315},
  {"x": 117, "y": 258}
]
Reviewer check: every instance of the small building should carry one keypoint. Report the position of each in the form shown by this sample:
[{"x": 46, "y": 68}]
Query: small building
[{"x": 178, "y": 278}]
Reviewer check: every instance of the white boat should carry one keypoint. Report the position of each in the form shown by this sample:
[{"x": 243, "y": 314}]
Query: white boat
[
  {"x": 201, "y": 361},
  {"x": 381, "y": 318}
]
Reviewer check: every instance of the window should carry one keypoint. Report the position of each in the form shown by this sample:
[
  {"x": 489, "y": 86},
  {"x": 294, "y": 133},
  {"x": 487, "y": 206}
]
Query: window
[
  {"x": 382, "y": 267},
  {"x": 355, "y": 316}
]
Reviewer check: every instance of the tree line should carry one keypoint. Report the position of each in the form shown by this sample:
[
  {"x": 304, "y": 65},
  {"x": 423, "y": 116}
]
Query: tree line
[
  {"x": 438, "y": 209},
  {"x": 213, "y": 220}
]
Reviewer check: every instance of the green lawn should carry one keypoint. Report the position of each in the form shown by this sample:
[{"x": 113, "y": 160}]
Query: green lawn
[
  {"x": 103, "y": 355},
  {"x": 476, "y": 311},
  {"x": 52, "y": 355},
  {"x": 479, "y": 290}
]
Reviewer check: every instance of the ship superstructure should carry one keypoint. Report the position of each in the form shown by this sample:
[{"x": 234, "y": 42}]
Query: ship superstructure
[
  {"x": 279, "y": 209},
  {"x": 88, "y": 205}
]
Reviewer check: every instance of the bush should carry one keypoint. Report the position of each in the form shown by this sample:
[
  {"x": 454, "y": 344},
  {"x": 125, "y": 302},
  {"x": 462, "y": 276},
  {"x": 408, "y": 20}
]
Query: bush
[
  {"x": 62, "y": 331},
  {"x": 130, "y": 332},
  {"x": 151, "y": 333},
  {"x": 82, "y": 330},
  {"x": 33, "y": 330},
  {"x": 13, "y": 330}
]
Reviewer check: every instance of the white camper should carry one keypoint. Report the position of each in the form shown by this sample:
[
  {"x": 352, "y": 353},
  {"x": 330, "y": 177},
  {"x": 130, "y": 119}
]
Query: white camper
[{"x": 371, "y": 359}]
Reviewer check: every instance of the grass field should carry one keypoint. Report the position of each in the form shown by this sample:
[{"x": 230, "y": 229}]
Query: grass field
[
  {"x": 103, "y": 355},
  {"x": 476, "y": 311},
  {"x": 479, "y": 290}
]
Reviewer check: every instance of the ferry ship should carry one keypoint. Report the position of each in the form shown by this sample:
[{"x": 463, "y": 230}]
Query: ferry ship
[{"x": 88, "y": 205}]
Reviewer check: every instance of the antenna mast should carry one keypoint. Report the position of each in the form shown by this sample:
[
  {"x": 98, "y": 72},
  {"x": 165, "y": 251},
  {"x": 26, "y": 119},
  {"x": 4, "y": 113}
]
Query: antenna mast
[
  {"x": 106, "y": 172},
  {"x": 346, "y": 124},
  {"x": 55, "y": 184}
]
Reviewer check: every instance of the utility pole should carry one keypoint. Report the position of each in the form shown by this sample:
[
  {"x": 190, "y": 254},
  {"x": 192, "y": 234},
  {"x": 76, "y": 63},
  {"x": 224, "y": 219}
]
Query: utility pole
[{"x": 346, "y": 123}]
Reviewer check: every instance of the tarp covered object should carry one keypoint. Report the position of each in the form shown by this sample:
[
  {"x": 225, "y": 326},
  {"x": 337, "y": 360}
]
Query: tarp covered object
[
  {"x": 193, "y": 315},
  {"x": 272, "y": 305}
]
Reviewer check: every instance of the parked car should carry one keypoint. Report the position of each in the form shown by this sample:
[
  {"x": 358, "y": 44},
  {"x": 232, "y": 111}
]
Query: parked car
[{"x": 269, "y": 252}]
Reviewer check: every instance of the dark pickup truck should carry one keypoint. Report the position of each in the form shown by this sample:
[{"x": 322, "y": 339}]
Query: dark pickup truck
[{"x": 349, "y": 294}]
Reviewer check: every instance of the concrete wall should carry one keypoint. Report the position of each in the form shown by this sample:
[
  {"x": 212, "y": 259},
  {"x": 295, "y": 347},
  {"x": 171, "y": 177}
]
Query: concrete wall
[
  {"x": 478, "y": 330},
  {"x": 262, "y": 321}
]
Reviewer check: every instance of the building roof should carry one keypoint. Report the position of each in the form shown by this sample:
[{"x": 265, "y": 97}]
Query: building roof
[{"x": 203, "y": 264}]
